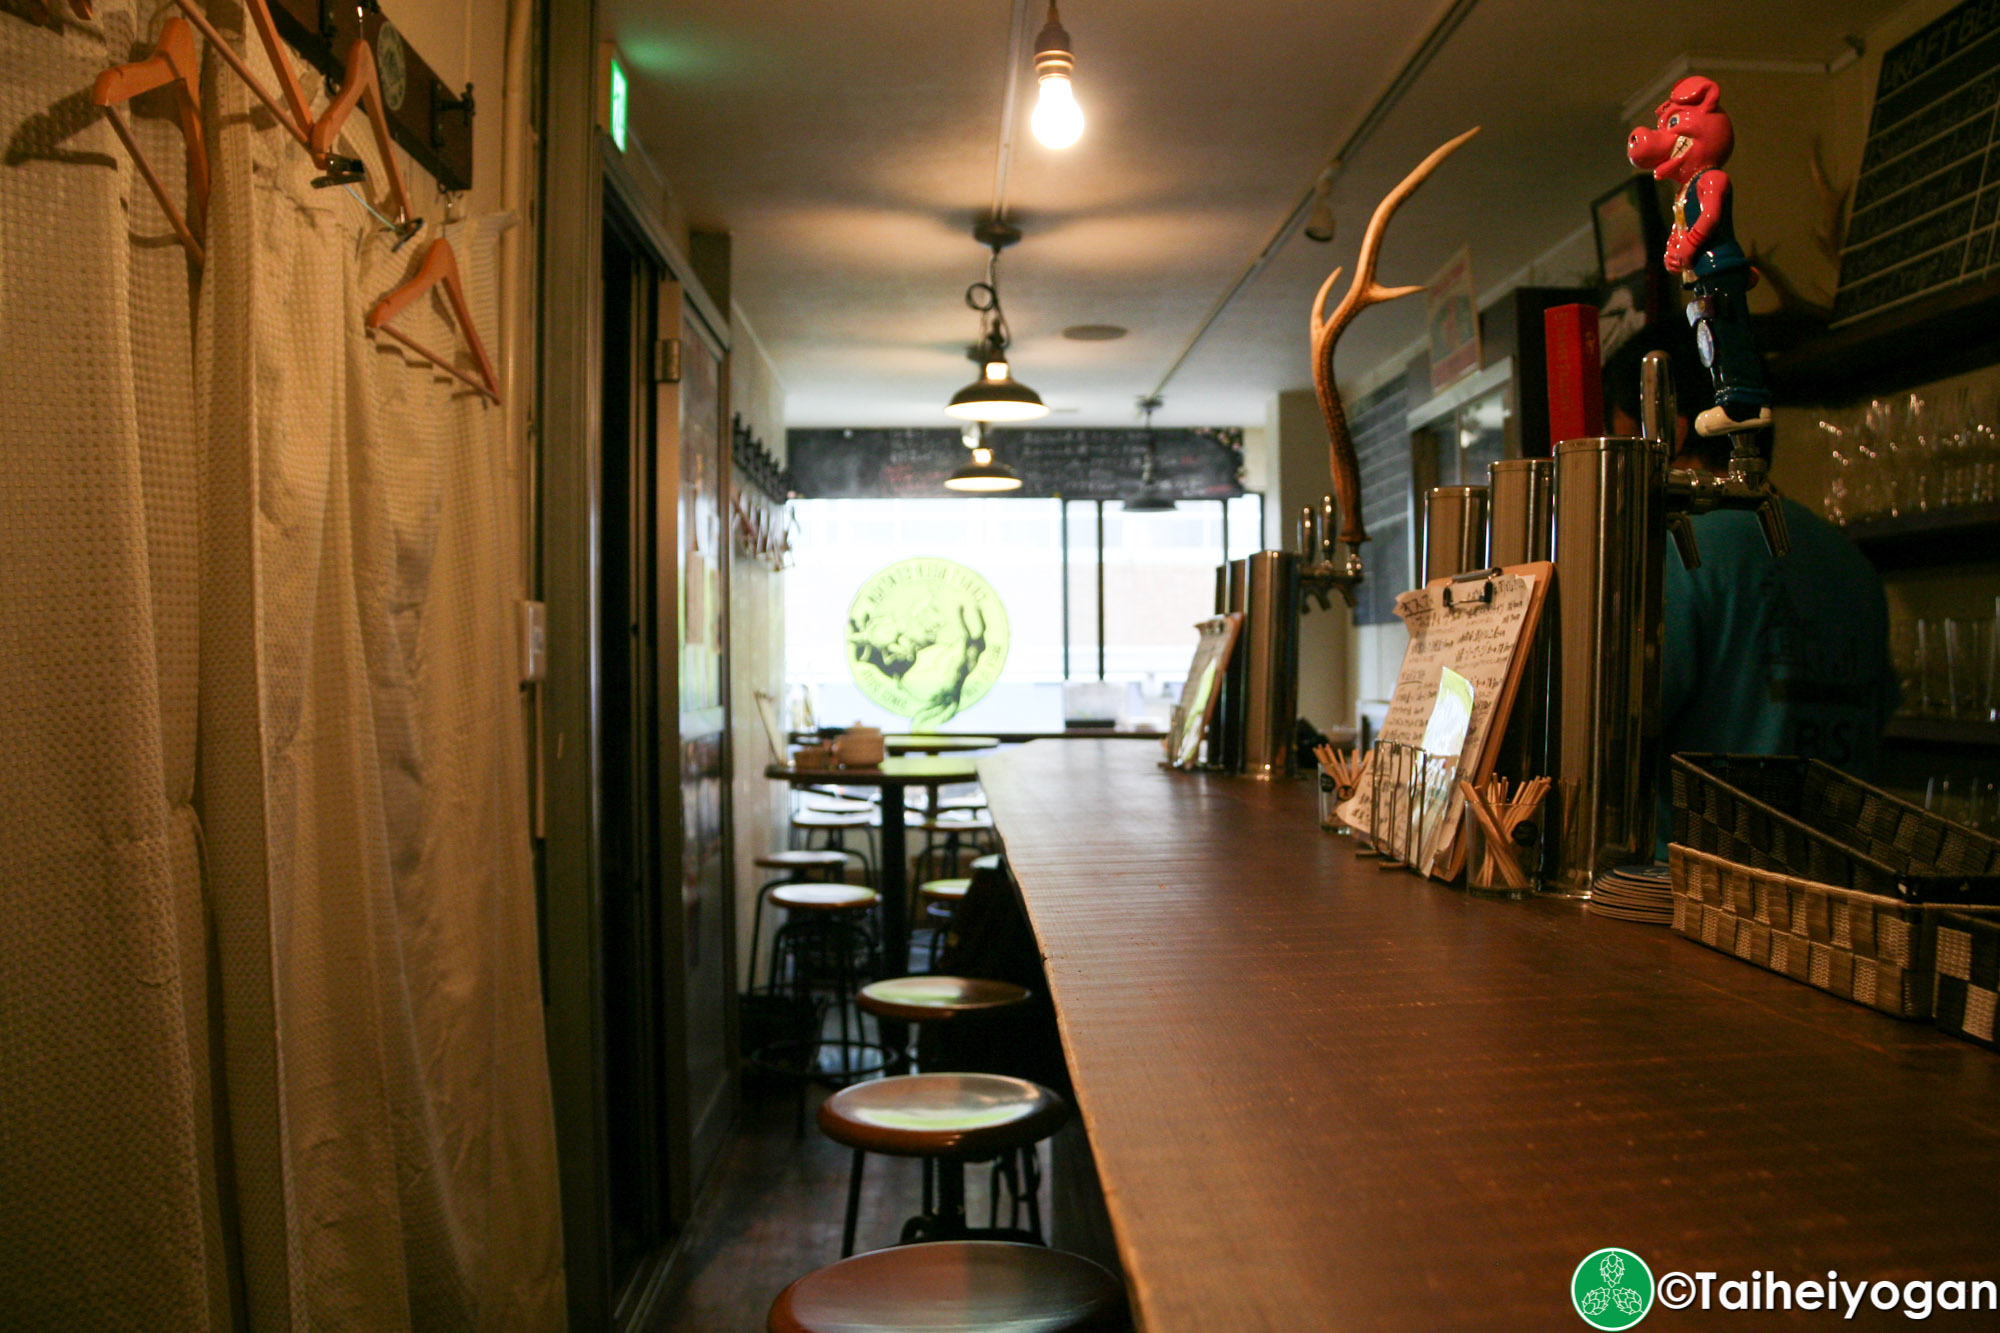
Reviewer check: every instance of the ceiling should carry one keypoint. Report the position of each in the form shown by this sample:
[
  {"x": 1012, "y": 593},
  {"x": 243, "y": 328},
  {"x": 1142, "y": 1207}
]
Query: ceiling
[{"x": 848, "y": 148}]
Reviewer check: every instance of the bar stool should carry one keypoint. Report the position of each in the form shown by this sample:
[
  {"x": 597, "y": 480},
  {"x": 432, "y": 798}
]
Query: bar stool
[
  {"x": 799, "y": 867},
  {"x": 952, "y": 1119},
  {"x": 832, "y": 830},
  {"x": 930, "y": 1001},
  {"x": 964, "y": 1285},
  {"x": 827, "y": 944},
  {"x": 937, "y": 899},
  {"x": 942, "y": 840}
]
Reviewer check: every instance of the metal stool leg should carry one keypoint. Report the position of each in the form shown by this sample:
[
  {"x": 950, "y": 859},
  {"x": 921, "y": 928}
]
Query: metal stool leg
[{"x": 853, "y": 1203}]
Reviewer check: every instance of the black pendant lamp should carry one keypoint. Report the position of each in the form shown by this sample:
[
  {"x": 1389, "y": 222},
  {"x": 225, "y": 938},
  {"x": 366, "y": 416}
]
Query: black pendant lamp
[
  {"x": 1151, "y": 498},
  {"x": 996, "y": 395},
  {"x": 982, "y": 476}
]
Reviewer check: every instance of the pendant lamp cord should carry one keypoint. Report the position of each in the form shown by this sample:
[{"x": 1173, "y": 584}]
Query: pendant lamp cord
[{"x": 985, "y": 298}]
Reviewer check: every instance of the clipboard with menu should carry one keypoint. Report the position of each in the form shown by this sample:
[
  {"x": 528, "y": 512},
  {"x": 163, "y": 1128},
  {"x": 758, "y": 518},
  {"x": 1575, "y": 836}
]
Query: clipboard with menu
[
  {"x": 1482, "y": 627},
  {"x": 1203, "y": 687}
]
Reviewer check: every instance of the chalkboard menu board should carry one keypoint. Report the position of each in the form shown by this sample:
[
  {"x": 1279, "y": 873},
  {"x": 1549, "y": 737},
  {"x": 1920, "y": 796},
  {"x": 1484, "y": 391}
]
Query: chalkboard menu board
[
  {"x": 1926, "y": 202},
  {"x": 1380, "y": 425},
  {"x": 1086, "y": 463}
]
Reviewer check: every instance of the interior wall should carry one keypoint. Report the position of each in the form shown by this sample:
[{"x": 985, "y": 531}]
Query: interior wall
[
  {"x": 757, "y": 647},
  {"x": 465, "y": 41},
  {"x": 1299, "y": 447}
]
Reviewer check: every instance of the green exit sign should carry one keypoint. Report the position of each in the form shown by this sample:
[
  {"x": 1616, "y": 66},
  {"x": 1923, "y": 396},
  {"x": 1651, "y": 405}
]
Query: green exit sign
[{"x": 619, "y": 96}]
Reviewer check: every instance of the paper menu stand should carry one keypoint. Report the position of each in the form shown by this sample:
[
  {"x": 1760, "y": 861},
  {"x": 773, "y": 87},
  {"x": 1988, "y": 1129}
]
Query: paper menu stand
[
  {"x": 1203, "y": 687},
  {"x": 1481, "y": 626}
]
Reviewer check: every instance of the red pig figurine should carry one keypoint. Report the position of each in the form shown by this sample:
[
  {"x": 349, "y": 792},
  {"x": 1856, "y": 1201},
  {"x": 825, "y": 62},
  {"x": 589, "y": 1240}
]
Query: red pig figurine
[{"x": 1691, "y": 137}]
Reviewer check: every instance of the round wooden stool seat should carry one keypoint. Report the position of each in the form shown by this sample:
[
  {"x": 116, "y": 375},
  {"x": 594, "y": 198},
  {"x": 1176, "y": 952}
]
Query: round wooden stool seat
[
  {"x": 959, "y": 821},
  {"x": 827, "y": 819},
  {"x": 944, "y": 890},
  {"x": 990, "y": 861},
  {"x": 963, "y": 1116},
  {"x": 840, "y": 805},
  {"x": 952, "y": 1286},
  {"x": 929, "y": 999},
  {"x": 803, "y": 861},
  {"x": 822, "y": 897}
]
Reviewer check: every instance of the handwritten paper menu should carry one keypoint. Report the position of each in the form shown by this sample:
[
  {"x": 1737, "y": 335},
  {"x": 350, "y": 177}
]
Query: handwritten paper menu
[{"x": 1481, "y": 629}]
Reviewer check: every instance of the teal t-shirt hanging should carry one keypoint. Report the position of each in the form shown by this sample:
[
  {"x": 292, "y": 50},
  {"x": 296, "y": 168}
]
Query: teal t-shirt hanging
[{"x": 1768, "y": 656}]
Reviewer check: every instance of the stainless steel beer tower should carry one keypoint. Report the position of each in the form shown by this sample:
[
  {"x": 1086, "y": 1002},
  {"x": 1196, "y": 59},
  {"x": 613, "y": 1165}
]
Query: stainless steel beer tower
[
  {"x": 1269, "y": 649},
  {"x": 1522, "y": 524},
  {"x": 1616, "y": 502},
  {"x": 1522, "y": 531},
  {"x": 1454, "y": 531},
  {"x": 1610, "y": 535}
]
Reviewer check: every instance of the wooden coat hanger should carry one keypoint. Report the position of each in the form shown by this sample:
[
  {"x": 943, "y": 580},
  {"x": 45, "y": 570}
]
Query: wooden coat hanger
[
  {"x": 294, "y": 115},
  {"x": 440, "y": 266},
  {"x": 362, "y": 85},
  {"x": 174, "y": 63}
]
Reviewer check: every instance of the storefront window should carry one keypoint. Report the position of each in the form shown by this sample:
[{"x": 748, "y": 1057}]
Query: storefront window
[{"x": 1158, "y": 578}]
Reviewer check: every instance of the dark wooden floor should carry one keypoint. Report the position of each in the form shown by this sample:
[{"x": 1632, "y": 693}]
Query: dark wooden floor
[{"x": 773, "y": 1213}]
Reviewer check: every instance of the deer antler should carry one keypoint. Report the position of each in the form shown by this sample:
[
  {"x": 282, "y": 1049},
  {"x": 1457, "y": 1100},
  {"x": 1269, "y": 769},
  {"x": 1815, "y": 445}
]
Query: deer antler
[{"x": 1326, "y": 331}]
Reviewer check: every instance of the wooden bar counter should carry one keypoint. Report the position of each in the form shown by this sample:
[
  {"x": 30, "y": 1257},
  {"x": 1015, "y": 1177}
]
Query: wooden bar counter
[{"x": 1324, "y": 1096}]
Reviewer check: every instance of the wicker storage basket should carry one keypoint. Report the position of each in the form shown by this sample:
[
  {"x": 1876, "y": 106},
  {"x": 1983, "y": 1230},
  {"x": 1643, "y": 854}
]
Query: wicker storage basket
[
  {"x": 1863, "y": 947},
  {"x": 1803, "y": 818},
  {"x": 1968, "y": 976}
]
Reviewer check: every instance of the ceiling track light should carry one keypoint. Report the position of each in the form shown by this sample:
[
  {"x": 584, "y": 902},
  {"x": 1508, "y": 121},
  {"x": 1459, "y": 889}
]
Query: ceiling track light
[
  {"x": 982, "y": 475},
  {"x": 996, "y": 395},
  {"x": 1150, "y": 499},
  {"x": 1057, "y": 120},
  {"x": 1320, "y": 224}
]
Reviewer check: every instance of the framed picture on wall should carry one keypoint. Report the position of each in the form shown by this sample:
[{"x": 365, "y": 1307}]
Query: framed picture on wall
[
  {"x": 1453, "y": 321},
  {"x": 1631, "y": 234},
  {"x": 1626, "y": 221}
]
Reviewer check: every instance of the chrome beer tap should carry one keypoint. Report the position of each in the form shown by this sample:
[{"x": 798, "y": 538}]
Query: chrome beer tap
[
  {"x": 1691, "y": 491},
  {"x": 1319, "y": 573}
]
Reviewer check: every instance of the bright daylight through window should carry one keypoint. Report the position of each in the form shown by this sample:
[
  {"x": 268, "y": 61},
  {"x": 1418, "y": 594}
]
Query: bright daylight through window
[{"x": 1158, "y": 580}]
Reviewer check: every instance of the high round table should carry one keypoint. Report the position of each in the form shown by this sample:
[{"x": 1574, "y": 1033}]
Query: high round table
[{"x": 891, "y": 776}]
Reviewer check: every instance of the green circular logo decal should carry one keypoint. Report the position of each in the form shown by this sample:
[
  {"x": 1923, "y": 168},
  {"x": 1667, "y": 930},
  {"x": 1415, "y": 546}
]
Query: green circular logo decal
[
  {"x": 1612, "y": 1289},
  {"x": 926, "y": 639}
]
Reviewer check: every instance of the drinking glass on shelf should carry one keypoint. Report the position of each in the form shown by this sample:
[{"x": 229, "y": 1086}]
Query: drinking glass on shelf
[
  {"x": 1933, "y": 675},
  {"x": 1950, "y": 441},
  {"x": 1965, "y": 654},
  {"x": 1982, "y": 463},
  {"x": 1915, "y": 453},
  {"x": 1993, "y": 665},
  {"x": 1903, "y": 655},
  {"x": 1837, "y": 504}
]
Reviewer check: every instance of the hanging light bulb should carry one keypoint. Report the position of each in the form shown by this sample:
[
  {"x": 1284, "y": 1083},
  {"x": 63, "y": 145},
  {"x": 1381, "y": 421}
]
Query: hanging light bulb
[{"x": 1057, "y": 120}]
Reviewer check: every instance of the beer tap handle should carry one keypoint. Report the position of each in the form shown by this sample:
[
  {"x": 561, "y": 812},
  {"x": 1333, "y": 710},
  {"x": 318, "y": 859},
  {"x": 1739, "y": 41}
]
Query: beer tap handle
[
  {"x": 1308, "y": 534},
  {"x": 1329, "y": 524},
  {"x": 1680, "y": 526},
  {"x": 1771, "y": 518},
  {"x": 1657, "y": 408}
]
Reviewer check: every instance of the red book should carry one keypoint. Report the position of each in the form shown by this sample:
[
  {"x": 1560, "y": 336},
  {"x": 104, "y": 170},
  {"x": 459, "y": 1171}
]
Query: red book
[{"x": 1576, "y": 373}]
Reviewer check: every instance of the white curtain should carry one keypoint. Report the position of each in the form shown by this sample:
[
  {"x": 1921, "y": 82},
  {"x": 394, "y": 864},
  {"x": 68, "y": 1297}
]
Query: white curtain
[
  {"x": 103, "y": 1154},
  {"x": 329, "y": 1099}
]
